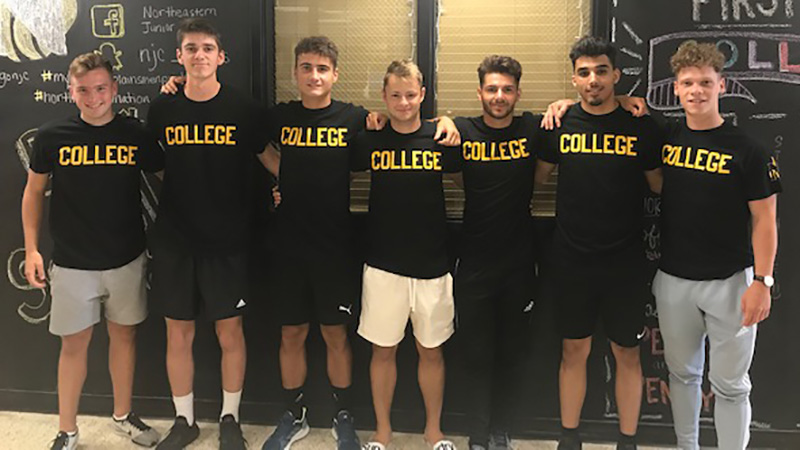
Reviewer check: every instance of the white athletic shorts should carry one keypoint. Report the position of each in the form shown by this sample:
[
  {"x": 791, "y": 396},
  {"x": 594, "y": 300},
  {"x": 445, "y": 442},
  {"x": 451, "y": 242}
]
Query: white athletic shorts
[
  {"x": 78, "y": 295},
  {"x": 388, "y": 300}
]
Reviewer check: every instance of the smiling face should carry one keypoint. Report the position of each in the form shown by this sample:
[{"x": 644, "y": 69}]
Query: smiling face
[
  {"x": 200, "y": 55},
  {"x": 93, "y": 93},
  {"x": 498, "y": 95},
  {"x": 594, "y": 78},
  {"x": 315, "y": 76},
  {"x": 403, "y": 97},
  {"x": 699, "y": 89}
]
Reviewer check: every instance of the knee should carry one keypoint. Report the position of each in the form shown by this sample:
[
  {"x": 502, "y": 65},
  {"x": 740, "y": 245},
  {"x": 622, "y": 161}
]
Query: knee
[
  {"x": 76, "y": 344},
  {"x": 230, "y": 338},
  {"x": 383, "y": 354},
  {"x": 734, "y": 389},
  {"x": 293, "y": 337},
  {"x": 575, "y": 351},
  {"x": 121, "y": 334},
  {"x": 335, "y": 336},
  {"x": 430, "y": 355},
  {"x": 627, "y": 358},
  {"x": 180, "y": 338}
]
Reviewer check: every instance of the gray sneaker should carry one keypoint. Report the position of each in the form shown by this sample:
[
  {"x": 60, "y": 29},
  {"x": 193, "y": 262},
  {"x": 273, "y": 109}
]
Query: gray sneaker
[
  {"x": 290, "y": 429},
  {"x": 63, "y": 441},
  {"x": 344, "y": 431},
  {"x": 137, "y": 431},
  {"x": 499, "y": 440}
]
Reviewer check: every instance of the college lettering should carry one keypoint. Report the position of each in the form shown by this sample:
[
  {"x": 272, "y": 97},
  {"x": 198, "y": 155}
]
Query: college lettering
[
  {"x": 607, "y": 144},
  {"x": 697, "y": 159},
  {"x": 314, "y": 137},
  {"x": 495, "y": 151},
  {"x": 208, "y": 134},
  {"x": 416, "y": 159},
  {"x": 86, "y": 155}
]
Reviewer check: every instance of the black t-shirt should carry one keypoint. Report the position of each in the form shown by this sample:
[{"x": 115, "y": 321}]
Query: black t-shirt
[
  {"x": 314, "y": 215},
  {"x": 498, "y": 169},
  {"x": 601, "y": 185},
  {"x": 95, "y": 208},
  {"x": 206, "y": 199},
  {"x": 407, "y": 220},
  {"x": 709, "y": 178}
]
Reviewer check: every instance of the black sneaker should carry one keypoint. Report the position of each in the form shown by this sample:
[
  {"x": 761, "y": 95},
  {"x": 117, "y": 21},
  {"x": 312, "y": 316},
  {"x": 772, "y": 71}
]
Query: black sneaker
[
  {"x": 570, "y": 443},
  {"x": 344, "y": 431},
  {"x": 499, "y": 440},
  {"x": 474, "y": 445},
  {"x": 230, "y": 434},
  {"x": 137, "y": 431},
  {"x": 290, "y": 429},
  {"x": 63, "y": 441},
  {"x": 180, "y": 435}
]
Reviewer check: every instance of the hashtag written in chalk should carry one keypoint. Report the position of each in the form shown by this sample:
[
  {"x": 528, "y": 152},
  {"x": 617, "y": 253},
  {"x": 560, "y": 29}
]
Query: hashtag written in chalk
[
  {"x": 38, "y": 96},
  {"x": 47, "y": 75}
]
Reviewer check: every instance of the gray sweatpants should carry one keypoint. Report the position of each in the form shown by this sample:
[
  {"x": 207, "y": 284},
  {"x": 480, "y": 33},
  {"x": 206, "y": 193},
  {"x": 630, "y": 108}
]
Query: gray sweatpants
[{"x": 689, "y": 310}]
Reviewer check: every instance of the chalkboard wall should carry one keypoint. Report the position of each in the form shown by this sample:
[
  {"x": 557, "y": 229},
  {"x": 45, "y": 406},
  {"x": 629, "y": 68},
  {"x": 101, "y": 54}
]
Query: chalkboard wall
[{"x": 759, "y": 37}]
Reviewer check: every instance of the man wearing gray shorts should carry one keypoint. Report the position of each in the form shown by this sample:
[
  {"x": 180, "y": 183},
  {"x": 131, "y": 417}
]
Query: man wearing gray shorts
[
  {"x": 718, "y": 244},
  {"x": 95, "y": 161}
]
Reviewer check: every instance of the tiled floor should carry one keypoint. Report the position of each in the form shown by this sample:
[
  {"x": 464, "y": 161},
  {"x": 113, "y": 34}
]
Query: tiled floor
[{"x": 24, "y": 431}]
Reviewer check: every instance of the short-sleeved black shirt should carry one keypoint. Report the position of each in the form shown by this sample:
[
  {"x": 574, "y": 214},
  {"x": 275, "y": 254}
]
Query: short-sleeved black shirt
[
  {"x": 498, "y": 169},
  {"x": 407, "y": 219},
  {"x": 314, "y": 215},
  {"x": 206, "y": 199},
  {"x": 709, "y": 178},
  {"x": 601, "y": 185},
  {"x": 95, "y": 208}
]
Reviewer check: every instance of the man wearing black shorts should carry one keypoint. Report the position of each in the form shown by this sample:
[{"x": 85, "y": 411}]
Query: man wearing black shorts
[
  {"x": 93, "y": 161},
  {"x": 211, "y": 134},
  {"x": 604, "y": 157},
  {"x": 494, "y": 275}
]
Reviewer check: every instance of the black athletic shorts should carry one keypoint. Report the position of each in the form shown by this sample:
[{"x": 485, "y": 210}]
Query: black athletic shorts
[
  {"x": 322, "y": 289},
  {"x": 612, "y": 288},
  {"x": 184, "y": 285}
]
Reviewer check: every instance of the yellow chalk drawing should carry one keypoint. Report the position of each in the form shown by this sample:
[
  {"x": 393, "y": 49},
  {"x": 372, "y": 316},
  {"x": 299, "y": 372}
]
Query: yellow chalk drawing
[
  {"x": 109, "y": 52},
  {"x": 35, "y": 29},
  {"x": 108, "y": 21}
]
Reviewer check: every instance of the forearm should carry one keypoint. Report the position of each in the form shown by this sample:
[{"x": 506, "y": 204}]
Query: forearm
[
  {"x": 32, "y": 206},
  {"x": 765, "y": 244}
]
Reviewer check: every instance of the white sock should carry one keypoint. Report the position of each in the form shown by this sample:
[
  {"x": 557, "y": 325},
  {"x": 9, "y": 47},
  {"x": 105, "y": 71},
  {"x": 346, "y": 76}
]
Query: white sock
[
  {"x": 184, "y": 406},
  {"x": 230, "y": 404},
  {"x": 121, "y": 418}
]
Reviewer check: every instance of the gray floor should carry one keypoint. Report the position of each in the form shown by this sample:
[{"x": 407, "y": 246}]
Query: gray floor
[{"x": 23, "y": 431}]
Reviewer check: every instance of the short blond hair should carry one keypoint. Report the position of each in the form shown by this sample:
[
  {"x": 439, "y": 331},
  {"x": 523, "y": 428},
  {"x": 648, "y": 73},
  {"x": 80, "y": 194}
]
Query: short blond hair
[
  {"x": 404, "y": 68},
  {"x": 87, "y": 62},
  {"x": 694, "y": 54}
]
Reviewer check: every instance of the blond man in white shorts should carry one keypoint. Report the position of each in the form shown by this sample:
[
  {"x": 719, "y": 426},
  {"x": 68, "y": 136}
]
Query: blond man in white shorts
[{"x": 406, "y": 275}]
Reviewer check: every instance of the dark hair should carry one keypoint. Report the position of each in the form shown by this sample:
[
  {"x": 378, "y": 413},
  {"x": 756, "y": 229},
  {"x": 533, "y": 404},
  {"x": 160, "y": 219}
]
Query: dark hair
[
  {"x": 692, "y": 54},
  {"x": 318, "y": 45},
  {"x": 198, "y": 25},
  {"x": 593, "y": 46},
  {"x": 500, "y": 64}
]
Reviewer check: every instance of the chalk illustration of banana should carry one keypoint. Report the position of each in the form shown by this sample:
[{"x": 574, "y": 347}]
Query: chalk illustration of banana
[{"x": 35, "y": 29}]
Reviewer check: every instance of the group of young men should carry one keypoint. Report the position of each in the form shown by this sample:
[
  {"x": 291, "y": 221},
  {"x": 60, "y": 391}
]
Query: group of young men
[{"x": 714, "y": 181}]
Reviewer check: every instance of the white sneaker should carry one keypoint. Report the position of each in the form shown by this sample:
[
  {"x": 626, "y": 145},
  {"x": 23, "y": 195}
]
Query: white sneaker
[
  {"x": 64, "y": 441},
  {"x": 137, "y": 431}
]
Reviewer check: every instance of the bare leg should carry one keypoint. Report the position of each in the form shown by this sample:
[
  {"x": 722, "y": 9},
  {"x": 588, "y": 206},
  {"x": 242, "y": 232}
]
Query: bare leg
[
  {"x": 430, "y": 374},
  {"x": 180, "y": 361},
  {"x": 121, "y": 364},
  {"x": 293, "y": 355},
  {"x": 234, "y": 353},
  {"x": 572, "y": 379},
  {"x": 340, "y": 356},
  {"x": 71, "y": 375},
  {"x": 628, "y": 387},
  {"x": 383, "y": 378}
]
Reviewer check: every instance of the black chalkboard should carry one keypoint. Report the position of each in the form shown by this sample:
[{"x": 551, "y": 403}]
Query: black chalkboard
[{"x": 761, "y": 41}]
